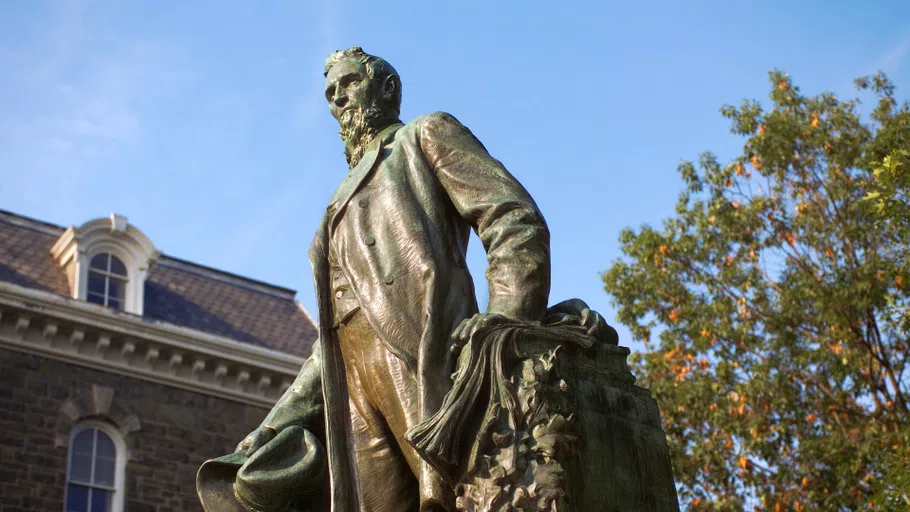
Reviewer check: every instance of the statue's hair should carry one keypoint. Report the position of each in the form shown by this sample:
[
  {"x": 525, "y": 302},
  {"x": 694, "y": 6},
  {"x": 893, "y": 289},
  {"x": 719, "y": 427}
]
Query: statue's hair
[{"x": 377, "y": 68}]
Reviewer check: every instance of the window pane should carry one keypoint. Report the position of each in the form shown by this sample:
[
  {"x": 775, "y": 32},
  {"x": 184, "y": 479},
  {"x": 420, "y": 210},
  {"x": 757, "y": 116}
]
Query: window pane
[
  {"x": 105, "y": 446},
  {"x": 95, "y": 283},
  {"x": 117, "y": 266},
  {"x": 104, "y": 471},
  {"x": 115, "y": 288},
  {"x": 94, "y": 298},
  {"x": 101, "y": 500},
  {"x": 81, "y": 467},
  {"x": 84, "y": 441},
  {"x": 99, "y": 261},
  {"x": 76, "y": 498},
  {"x": 115, "y": 304}
]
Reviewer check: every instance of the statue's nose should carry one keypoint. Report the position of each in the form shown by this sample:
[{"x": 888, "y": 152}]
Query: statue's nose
[{"x": 340, "y": 99}]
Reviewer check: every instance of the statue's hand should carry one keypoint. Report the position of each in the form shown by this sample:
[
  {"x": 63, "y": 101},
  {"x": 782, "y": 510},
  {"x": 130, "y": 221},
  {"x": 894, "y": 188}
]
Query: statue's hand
[
  {"x": 469, "y": 326},
  {"x": 256, "y": 440}
]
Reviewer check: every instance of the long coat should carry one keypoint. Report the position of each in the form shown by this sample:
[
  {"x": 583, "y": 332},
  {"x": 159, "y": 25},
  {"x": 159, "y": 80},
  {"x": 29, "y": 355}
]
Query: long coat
[{"x": 400, "y": 225}]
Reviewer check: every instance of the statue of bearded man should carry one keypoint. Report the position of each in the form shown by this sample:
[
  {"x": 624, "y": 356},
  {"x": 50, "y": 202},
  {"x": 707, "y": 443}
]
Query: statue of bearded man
[{"x": 394, "y": 292}]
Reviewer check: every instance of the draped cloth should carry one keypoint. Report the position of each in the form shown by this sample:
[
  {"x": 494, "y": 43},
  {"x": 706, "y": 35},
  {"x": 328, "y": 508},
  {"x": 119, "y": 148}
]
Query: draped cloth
[{"x": 483, "y": 364}]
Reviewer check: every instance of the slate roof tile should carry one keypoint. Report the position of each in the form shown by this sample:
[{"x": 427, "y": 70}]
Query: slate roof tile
[{"x": 177, "y": 292}]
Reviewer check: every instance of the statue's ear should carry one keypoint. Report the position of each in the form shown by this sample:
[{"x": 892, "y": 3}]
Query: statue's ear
[{"x": 390, "y": 87}]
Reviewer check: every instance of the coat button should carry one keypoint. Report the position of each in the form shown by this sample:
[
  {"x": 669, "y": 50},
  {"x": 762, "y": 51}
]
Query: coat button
[
  {"x": 389, "y": 279},
  {"x": 369, "y": 240},
  {"x": 362, "y": 203},
  {"x": 339, "y": 294}
]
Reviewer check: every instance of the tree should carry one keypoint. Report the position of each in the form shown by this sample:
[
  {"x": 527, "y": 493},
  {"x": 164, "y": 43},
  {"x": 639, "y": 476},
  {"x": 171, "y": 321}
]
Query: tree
[
  {"x": 775, "y": 293},
  {"x": 890, "y": 196}
]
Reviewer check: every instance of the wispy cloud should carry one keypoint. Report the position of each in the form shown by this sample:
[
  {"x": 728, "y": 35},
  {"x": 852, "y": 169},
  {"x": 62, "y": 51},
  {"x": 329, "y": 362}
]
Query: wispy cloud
[
  {"x": 891, "y": 61},
  {"x": 74, "y": 95},
  {"x": 309, "y": 108},
  {"x": 74, "y": 89}
]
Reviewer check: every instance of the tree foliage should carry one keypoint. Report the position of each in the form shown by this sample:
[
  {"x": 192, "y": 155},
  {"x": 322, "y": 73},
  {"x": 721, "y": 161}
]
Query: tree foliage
[
  {"x": 776, "y": 295},
  {"x": 890, "y": 196}
]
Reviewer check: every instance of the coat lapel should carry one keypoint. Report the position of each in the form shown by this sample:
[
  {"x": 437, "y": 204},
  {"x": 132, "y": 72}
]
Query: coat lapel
[
  {"x": 352, "y": 183},
  {"x": 355, "y": 179}
]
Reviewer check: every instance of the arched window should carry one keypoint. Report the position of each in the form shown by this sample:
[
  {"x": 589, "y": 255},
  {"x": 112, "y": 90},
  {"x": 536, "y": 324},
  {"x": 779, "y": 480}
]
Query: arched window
[
  {"x": 95, "y": 470},
  {"x": 107, "y": 281}
]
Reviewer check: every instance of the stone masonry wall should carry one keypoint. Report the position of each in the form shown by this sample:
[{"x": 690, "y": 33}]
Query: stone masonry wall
[{"x": 178, "y": 430}]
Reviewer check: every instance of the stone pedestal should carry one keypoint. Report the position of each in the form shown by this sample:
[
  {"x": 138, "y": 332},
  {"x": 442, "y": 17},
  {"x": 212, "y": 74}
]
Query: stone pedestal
[
  {"x": 573, "y": 434},
  {"x": 623, "y": 465}
]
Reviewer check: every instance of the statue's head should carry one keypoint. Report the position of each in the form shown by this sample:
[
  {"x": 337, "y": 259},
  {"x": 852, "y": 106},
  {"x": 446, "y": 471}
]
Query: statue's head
[{"x": 364, "y": 95}]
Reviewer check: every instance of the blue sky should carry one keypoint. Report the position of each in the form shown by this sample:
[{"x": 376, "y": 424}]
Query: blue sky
[{"x": 204, "y": 122}]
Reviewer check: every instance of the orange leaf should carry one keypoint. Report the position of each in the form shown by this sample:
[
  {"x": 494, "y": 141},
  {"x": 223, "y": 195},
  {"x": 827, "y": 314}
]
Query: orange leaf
[
  {"x": 743, "y": 462},
  {"x": 674, "y": 315},
  {"x": 811, "y": 417},
  {"x": 756, "y": 162},
  {"x": 814, "y": 122}
]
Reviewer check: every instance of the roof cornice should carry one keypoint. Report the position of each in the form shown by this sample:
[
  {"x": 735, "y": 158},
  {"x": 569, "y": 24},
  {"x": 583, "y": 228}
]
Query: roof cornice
[{"x": 86, "y": 334}]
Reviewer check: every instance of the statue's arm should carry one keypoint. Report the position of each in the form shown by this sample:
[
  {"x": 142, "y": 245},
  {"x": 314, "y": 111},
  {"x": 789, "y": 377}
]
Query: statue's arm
[
  {"x": 505, "y": 217},
  {"x": 301, "y": 404}
]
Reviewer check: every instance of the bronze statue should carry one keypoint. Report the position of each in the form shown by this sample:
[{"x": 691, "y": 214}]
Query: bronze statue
[{"x": 398, "y": 317}]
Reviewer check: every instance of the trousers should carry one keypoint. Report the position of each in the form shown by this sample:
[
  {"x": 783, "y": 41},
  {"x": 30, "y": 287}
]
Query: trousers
[{"x": 383, "y": 402}]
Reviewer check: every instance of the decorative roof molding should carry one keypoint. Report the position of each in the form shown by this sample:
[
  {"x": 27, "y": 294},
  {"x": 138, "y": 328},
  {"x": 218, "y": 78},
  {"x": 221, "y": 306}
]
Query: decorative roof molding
[
  {"x": 90, "y": 335},
  {"x": 115, "y": 235}
]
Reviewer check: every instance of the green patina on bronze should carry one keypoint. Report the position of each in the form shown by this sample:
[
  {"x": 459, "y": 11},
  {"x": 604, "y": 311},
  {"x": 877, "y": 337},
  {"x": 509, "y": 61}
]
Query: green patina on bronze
[{"x": 412, "y": 399}]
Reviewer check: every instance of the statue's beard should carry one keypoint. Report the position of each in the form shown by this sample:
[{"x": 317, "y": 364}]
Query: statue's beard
[{"x": 358, "y": 127}]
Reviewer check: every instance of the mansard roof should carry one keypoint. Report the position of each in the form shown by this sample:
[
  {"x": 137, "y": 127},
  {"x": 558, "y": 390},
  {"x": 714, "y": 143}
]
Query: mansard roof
[{"x": 177, "y": 292}]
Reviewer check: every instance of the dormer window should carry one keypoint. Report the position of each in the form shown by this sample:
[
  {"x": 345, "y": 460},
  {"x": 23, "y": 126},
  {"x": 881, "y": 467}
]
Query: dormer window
[
  {"x": 107, "y": 280},
  {"x": 106, "y": 262}
]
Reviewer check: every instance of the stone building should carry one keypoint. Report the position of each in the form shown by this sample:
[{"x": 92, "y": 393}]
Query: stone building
[{"x": 122, "y": 369}]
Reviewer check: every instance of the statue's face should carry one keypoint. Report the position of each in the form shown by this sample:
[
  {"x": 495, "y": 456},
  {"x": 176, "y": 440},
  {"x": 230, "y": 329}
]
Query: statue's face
[{"x": 347, "y": 89}]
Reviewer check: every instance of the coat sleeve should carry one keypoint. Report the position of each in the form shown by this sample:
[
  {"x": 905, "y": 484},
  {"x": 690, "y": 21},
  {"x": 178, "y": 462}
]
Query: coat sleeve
[
  {"x": 508, "y": 222},
  {"x": 302, "y": 403}
]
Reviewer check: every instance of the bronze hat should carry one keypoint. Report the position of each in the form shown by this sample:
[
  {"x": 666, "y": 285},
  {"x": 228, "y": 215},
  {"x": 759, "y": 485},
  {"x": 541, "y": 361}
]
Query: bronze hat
[{"x": 288, "y": 469}]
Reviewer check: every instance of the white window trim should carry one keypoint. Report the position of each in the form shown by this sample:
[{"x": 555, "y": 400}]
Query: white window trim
[
  {"x": 112, "y": 235},
  {"x": 119, "y": 465},
  {"x": 134, "y": 291},
  {"x": 108, "y": 276}
]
